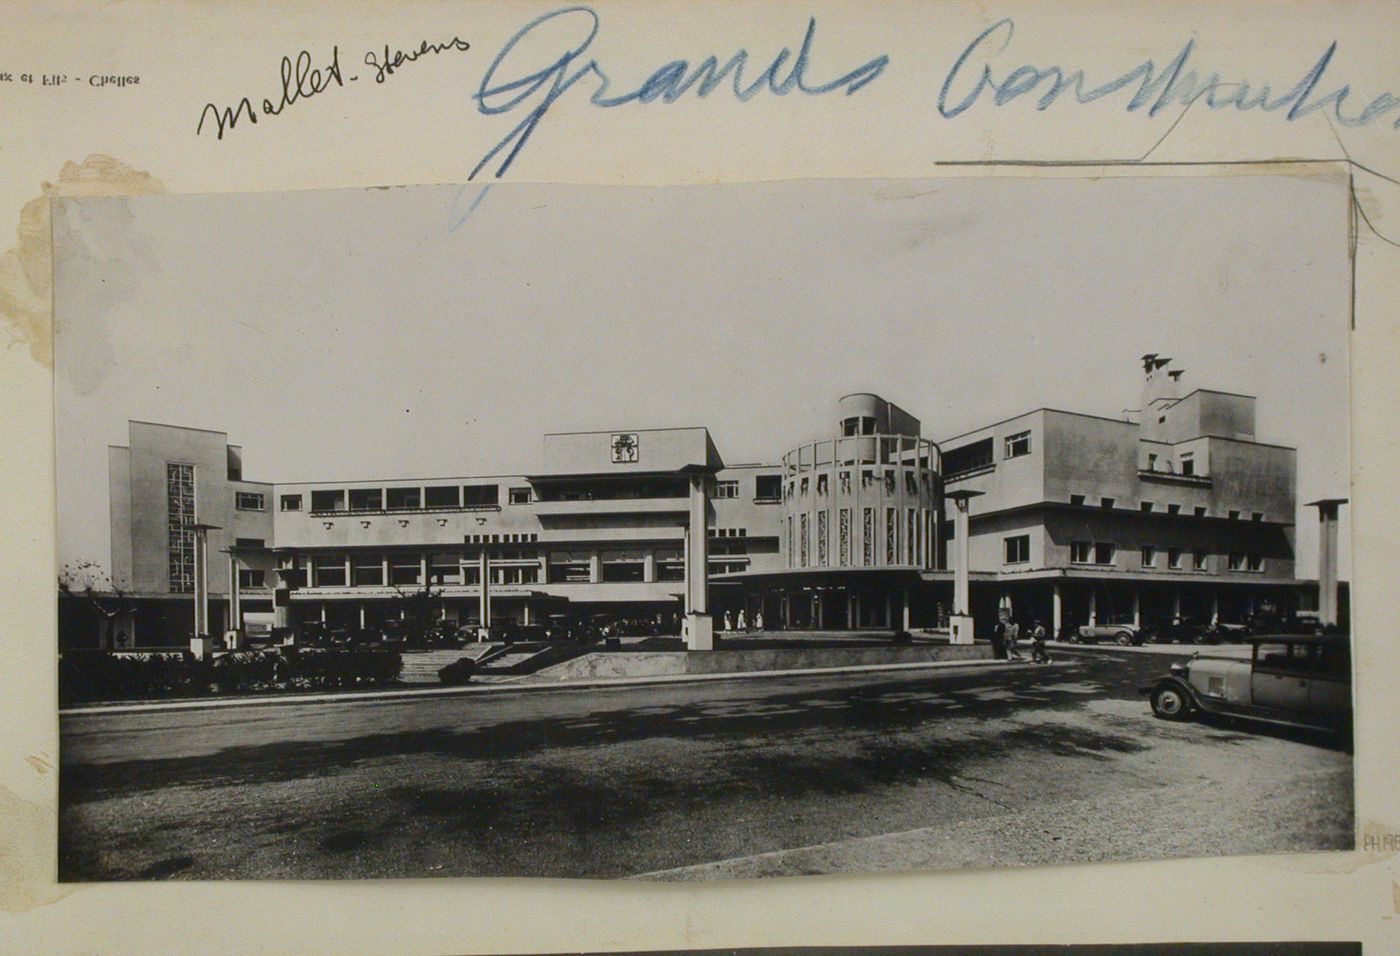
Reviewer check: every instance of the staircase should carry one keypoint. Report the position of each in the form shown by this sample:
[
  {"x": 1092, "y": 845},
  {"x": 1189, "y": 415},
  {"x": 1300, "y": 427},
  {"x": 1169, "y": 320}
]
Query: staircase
[{"x": 421, "y": 667}]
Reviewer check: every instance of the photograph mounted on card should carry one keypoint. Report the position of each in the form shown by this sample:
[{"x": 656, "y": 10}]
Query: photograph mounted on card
[{"x": 703, "y": 532}]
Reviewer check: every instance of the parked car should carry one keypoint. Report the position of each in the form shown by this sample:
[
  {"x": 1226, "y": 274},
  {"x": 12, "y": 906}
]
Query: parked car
[
  {"x": 1303, "y": 680},
  {"x": 1123, "y": 634},
  {"x": 1185, "y": 630},
  {"x": 1231, "y": 632}
]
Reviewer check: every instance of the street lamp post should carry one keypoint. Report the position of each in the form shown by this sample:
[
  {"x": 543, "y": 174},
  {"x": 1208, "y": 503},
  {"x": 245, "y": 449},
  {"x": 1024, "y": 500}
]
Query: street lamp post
[{"x": 960, "y": 622}]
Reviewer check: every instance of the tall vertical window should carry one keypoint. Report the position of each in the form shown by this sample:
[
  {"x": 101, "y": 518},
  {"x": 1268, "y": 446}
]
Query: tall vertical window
[
  {"x": 867, "y": 537},
  {"x": 1188, "y": 463},
  {"x": 802, "y": 538},
  {"x": 179, "y": 516},
  {"x": 1016, "y": 549},
  {"x": 910, "y": 542},
  {"x": 1148, "y": 556},
  {"x": 823, "y": 557},
  {"x": 891, "y": 536},
  {"x": 844, "y": 532},
  {"x": 791, "y": 551}
]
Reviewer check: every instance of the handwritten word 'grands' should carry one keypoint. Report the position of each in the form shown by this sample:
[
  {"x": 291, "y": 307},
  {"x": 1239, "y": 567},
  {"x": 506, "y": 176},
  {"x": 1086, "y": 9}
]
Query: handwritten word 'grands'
[
  {"x": 508, "y": 84},
  {"x": 1157, "y": 89}
]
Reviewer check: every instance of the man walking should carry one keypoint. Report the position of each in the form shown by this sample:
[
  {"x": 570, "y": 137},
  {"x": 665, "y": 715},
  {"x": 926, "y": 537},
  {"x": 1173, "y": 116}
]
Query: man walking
[{"x": 1038, "y": 654}]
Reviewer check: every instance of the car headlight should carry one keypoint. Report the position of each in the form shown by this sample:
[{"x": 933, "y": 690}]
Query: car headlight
[{"x": 1179, "y": 669}]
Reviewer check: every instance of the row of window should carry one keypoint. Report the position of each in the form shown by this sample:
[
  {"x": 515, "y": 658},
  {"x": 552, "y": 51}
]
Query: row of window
[
  {"x": 1171, "y": 508},
  {"x": 1016, "y": 549},
  {"x": 431, "y": 498},
  {"x": 766, "y": 488},
  {"x": 1186, "y": 462},
  {"x": 905, "y": 538},
  {"x": 870, "y": 479}
]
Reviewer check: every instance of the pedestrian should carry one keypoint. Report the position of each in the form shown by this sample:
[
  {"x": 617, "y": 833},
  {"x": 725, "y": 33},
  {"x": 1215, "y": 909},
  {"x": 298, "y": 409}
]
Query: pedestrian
[
  {"x": 758, "y": 620},
  {"x": 1013, "y": 634},
  {"x": 743, "y": 621},
  {"x": 728, "y": 622},
  {"x": 1038, "y": 654},
  {"x": 999, "y": 640}
]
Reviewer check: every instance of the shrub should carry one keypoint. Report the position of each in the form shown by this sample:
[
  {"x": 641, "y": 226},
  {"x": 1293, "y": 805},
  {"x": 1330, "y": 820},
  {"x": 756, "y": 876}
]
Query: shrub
[
  {"x": 458, "y": 672},
  {"x": 903, "y": 637}
]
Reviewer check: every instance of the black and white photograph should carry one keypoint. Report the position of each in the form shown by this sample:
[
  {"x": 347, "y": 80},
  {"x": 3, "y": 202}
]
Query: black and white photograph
[{"x": 690, "y": 533}]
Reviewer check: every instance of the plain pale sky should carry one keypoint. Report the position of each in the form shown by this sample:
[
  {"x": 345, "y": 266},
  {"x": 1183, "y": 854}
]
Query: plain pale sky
[{"x": 354, "y": 334}]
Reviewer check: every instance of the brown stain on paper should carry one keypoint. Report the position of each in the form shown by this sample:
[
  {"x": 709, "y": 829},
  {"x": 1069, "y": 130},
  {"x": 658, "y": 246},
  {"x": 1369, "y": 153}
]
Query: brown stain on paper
[
  {"x": 26, "y": 271},
  {"x": 26, "y": 855}
]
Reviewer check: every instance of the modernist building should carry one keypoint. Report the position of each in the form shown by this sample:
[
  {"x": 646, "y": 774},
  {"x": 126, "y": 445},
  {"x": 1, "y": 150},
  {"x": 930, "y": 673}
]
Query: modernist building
[{"x": 1176, "y": 508}]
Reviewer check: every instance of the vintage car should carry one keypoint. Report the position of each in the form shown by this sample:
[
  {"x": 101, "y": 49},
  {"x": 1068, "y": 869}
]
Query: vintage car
[
  {"x": 1303, "y": 680},
  {"x": 1123, "y": 633}
]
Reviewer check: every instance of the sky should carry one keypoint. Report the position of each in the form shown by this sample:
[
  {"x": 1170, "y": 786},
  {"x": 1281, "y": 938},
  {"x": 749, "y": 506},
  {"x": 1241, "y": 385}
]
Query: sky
[{"x": 438, "y": 331}]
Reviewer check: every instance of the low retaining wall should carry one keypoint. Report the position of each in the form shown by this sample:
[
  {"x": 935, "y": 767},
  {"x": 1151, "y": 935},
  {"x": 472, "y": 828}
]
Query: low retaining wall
[{"x": 605, "y": 665}]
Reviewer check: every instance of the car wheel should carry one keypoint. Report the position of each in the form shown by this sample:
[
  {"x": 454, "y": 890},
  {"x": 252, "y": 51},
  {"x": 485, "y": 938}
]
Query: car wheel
[
  {"x": 1170, "y": 703},
  {"x": 1123, "y": 639},
  {"x": 1198, "y": 638}
]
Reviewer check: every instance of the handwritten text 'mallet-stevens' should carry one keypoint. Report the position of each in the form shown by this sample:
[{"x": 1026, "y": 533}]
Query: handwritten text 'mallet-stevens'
[{"x": 549, "y": 56}]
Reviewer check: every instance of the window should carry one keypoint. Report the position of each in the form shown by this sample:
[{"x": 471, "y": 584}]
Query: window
[
  {"x": 823, "y": 484},
  {"x": 1018, "y": 444},
  {"x": 1106, "y": 502},
  {"x": 1236, "y": 561},
  {"x": 1256, "y": 516},
  {"x": 442, "y": 496},
  {"x": 1254, "y": 562},
  {"x": 572, "y": 567},
  {"x": 329, "y": 570},
  {"x": 669, "y": 564},
  {"x": 404, "y": 499},
  {"x": 1079, "y": 552},
  {"x": 1145, "y": 505},
  {"x": 179, "y": 515},
  {"x": 846, "y": 483},
  {"x": 367, "y": 570},
  {"x": 1149, "y": 556},
  {"x": 911, "y": 536},
  {"x": 366, "y": 499},
  {"x": 250, "y": 577},
  {"x": 1174, "y": 559},
  {"x": 971, "y": 457},
  {"x": 1198, "y": 560},
  {"x": 1188, "y": 463},
  {"x": 1151, "y": 462},
  {"x": 891, "y": 536},
  {"x": 445, "y": 569},
  {"x": 804, "y": 486},
  {"x": 845, "y": 535},
  {"x": 823, "y": 546},
  {"x": 520, "y": 496},
  {"x": 1104, "y": 552},
  {"x": 328, "y": 500},
  {"x": 803, "y": 537},
  {"x": 1076, "y": 499},
  {"x": 623, "y": 566},
  {"x": 249, "y": 543},
  {"x": 867, "y": 541},
  {"x": 405, "y": 569},
  {"x": 1173, "y": 509},
  {"x": 768, "y": 488},
  {"x": 482, "y": 496},
  {"x": 291, "y": 502},
  {"x": 1017, "y": 549},
  {"x": 1199, "y": 511},
  {"x": 889, "y": 482},
  {"x": 726, "y": 489},
  {"x": 249, "y": 501}
]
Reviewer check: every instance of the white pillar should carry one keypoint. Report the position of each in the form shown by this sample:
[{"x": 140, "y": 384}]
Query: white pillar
[
  {"x": 1093, "y": 604},
  {"x": 1176, "y": 603},
  {"x": 235, "y": 607},
  {"x": 904, "y": 617},
  {"x": 699, "y": 626},
  {"x": 1057, "y": 611},
  {"x": 201, "y": 584},
  {"x": 1137, "y": 607},
  {"x": 1214, "y": 606},
  {"x": 362, "y": 615},
  {"x": 1327, "y": 600},
  {"x": 484, "y": 595},
  {"x": 962, "y": 554}
]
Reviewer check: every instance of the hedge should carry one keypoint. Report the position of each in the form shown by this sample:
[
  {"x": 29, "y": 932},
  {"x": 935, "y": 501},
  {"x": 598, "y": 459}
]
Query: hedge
[{"x": 98, "y": 675}]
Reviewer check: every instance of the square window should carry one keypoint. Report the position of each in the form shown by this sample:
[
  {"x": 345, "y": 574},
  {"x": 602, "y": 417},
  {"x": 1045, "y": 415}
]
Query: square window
[
  {"x": 1149, "y": 556},
  {"x": 1017, "y": 549},
  {"x": 1104, "y": 552},
  {"x": 1255, "y": 562},
  {"x": 1080, "y": 552},
  {"x": 1234, "y": 515},
  {"x": 1200, "y": 511},
  {"x": 366, "y": 499},
  {"x": 1174, "y": 558},
  {"x": 1257, "y": 516},
  {"x": 328, "y": 500},
  {"x": 1106, "y": 502},
  {"x": 723, "y": 489},
  {"x": 249, "y": 501},
  {"x": 1018, "y": 444},
  {"x": 1236, "y": 561},
  {"x": 521, "y": 496},
  {"x": 404, "y": 499},
  {"x": 1145, "y": 505},
  {"x": 291, "y": 502},
  {"x": 1076, "y": 499},
  {"x": 1198, "y": 560},
  {"x": 481, "y": 496},
  {"x": 1188, "y": 463},
  {"x": 250, "y": 577},
  {"x": 442, "y": 496},
  {"x": 1173, "y": 509},
  {"x": 768, "y": 488}
]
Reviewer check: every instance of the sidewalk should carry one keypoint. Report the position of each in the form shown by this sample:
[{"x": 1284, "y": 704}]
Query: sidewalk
[
  {"x": 516, "y": 685},
  {"x": 1241, "y": 651}
]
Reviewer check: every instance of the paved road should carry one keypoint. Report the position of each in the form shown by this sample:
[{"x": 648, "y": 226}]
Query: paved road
[{"x": 696, "y": 780}]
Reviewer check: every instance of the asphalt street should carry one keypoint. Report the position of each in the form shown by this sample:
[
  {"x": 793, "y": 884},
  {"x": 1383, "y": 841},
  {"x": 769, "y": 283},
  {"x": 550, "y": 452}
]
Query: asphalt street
[{"x": 1027, "y": 764}]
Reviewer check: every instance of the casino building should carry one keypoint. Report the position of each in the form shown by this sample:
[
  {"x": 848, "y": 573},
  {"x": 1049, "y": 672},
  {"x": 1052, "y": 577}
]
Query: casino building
[{"x": 1072, "y": 517}]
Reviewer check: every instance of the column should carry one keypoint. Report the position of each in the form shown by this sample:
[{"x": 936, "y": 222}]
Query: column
[
  {"x": 904, "y": 616},
  {"x": 235, "y": 608},
  {"x": 1093, "y": 604},
  {"x": 962, "y": 556},
  {"x": 484, "y": 594},
  {"x": 889, "y": 608},
  {"x": 1057, "y": 611},
  {"x": 699, "y": 626},
  {"x": 1215, "y": 606},
  {"x": 1137, "y": 607},
  {"x": 362, "y": 614},
  {"x": 201, "y": 585},
  {"x": 1176, "y": 603},
  {"x": 818, "y": 610},
  {"x": 649, "y": 565},
  {"x": 526, "y": 620},
  {"x": 1327, "y": 512},
  {"x": 787, "y": 610}
]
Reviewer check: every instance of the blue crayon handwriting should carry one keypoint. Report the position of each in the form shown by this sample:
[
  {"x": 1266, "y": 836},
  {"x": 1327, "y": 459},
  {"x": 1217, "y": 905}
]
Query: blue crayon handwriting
[
  {"x": 516, "y": 81},
  {"x": 974, "y": 77}
]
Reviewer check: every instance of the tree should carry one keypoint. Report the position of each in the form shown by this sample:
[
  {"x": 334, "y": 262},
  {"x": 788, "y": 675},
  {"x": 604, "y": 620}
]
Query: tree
[
  {"x": 420, "y": 611},
  {"x": 86, "y": 585}
]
